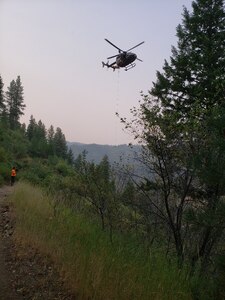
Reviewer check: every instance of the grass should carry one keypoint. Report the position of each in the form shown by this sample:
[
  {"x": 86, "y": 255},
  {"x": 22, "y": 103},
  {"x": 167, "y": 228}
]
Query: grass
[{"x": 93, "y": 267}]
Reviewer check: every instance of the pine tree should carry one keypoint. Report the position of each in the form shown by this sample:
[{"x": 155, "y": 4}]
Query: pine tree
[
  {"x": 59, "y": 142},
  {"x": 50, "y": 139},
  {"x": 50, "y": 134},
  {"x": 36, "y": 133},
  {"x": 194, "y": 81},
  {"x": 15, "y": 102},
  {"x": 2, "y": 104},
  {"x": 41, "y": 131},
  {"x": 31, "y": 127},
  {"x": 70, "y": 157}
]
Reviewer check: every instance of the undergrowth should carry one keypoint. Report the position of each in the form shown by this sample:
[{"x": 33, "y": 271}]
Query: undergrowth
[{"x": 94, "y": 267}]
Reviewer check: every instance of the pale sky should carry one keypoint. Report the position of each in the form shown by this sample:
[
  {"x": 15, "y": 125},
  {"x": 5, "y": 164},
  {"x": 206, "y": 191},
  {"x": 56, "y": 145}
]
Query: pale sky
[{"x": 57, "y": 46}]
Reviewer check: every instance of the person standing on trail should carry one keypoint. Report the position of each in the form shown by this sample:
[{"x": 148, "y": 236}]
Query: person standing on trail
[{"x": 13, "y": 175}]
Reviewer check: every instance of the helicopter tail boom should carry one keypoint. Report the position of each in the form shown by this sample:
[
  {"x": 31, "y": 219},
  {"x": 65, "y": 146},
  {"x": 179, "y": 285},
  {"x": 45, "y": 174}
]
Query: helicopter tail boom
[{"x": 113, "y": 65}]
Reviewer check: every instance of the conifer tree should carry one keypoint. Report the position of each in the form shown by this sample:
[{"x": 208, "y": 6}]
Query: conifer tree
[
  {"x": 41, "y": 131},
  {"x": 31, "y": 127},
  {"x": 50, "y": 140},
  {"x": 41, "y": 140},
  {"x": 15, "y": 102},
  {"x": 194, "y": 80},
  {"x": 182, "y": 121},
  {"x": 2, "y": 104},
  {"x": 59, "y": 142},
  {"x": 70, "y": 157},
  {"x": 50, "y": 134},
  {"x": 36, "y": 133}
]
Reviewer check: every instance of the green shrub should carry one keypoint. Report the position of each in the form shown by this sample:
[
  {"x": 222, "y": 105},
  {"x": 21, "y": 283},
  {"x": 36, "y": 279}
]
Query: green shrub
[
  {"x": 220, "y": 276},
  {"x": 1, "y": 180},
  {"x": 63, "y": 168},
  {"x": 35, "y": 172},
  {"x": 3, "y": 155},
  {"x": 5, "y": 170}
]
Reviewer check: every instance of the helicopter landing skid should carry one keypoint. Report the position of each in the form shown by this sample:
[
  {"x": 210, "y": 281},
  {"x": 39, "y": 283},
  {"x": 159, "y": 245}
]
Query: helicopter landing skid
[{"x": 130, "y": 66}]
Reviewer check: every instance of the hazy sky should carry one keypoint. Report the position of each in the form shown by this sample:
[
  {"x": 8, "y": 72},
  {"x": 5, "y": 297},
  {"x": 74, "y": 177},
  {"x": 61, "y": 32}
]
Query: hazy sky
[{"x": 57, "y": 46}]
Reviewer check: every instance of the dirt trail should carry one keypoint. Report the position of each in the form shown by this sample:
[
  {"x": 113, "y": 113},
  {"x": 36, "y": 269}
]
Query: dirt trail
[
  {"x": 25, "y": 273},
  {"x": 6, "y": 291}
]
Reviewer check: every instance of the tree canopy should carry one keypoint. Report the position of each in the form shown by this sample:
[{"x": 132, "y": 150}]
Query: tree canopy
[{"x": 180, "y": 123}]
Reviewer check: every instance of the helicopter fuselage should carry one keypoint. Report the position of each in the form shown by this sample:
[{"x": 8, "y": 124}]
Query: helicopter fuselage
[{"x": 124, "y": 59}]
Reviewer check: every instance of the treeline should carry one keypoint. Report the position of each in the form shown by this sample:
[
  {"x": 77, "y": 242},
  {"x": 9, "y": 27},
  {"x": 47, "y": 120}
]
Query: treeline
[
  {"x": 18, "y": 142},
  {"x": 44, "y": 143}
]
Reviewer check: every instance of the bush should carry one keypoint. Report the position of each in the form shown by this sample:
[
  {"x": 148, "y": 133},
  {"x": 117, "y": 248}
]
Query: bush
[
  {"x": 3, "y": 155},
  {"x": 36, "y": 172},
  {"x": 5, "y": 170},
  {"x": 1, "y": 180},
  {"x": 63, "y": 168},
  {"x": 220, "y": 275}
]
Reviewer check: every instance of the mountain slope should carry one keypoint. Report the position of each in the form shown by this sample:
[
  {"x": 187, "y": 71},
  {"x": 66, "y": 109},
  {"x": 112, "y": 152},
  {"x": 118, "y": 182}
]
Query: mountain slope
[{"x": 116, "y": 154}]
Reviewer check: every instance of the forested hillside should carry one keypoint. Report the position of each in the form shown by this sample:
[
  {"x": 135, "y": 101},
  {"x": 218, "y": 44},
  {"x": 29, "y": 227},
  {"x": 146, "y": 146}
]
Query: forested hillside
[
  {"x": 175, "y": 212},
  {"x": 116, "y": 153},
  {"x": 23, "y": 146}
]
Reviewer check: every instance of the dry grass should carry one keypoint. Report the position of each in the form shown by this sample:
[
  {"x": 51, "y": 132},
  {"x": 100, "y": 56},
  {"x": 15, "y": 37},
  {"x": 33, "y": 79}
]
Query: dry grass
[{"x": 91, "y": 265}]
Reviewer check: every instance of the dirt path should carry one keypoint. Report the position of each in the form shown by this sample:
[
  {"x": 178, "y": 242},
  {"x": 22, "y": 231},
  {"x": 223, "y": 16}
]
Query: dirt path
[
  {"x": 25, "y": 273},
  {"x": 6, "y": 291}
]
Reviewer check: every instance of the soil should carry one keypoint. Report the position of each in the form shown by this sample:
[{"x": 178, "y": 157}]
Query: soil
[{"x": 25, "y": 273}]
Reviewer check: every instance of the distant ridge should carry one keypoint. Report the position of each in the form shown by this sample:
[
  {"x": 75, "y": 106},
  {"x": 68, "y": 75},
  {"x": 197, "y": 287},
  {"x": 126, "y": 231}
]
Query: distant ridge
[{"x": 115, "y": 153}]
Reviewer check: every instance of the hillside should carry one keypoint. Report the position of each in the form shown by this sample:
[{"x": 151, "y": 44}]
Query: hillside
[{"x": 116, "y": 154}]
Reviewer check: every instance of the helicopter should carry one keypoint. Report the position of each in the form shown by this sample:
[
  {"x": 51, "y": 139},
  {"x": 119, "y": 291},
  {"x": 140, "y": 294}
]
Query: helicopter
[{"x": 124, "y": 59}]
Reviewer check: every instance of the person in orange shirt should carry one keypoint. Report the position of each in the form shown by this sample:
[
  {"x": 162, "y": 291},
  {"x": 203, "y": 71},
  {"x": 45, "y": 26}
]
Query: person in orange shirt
[{"x": 13, "y": 175}]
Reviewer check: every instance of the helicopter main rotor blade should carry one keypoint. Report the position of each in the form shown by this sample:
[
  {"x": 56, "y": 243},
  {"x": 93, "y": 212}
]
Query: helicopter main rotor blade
[
  {"x": 114, "y": 45},
  {"x": 112, "y": 56},
  {"x": 136, "y": 46},
  {"x": 139, "y": 59}
]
